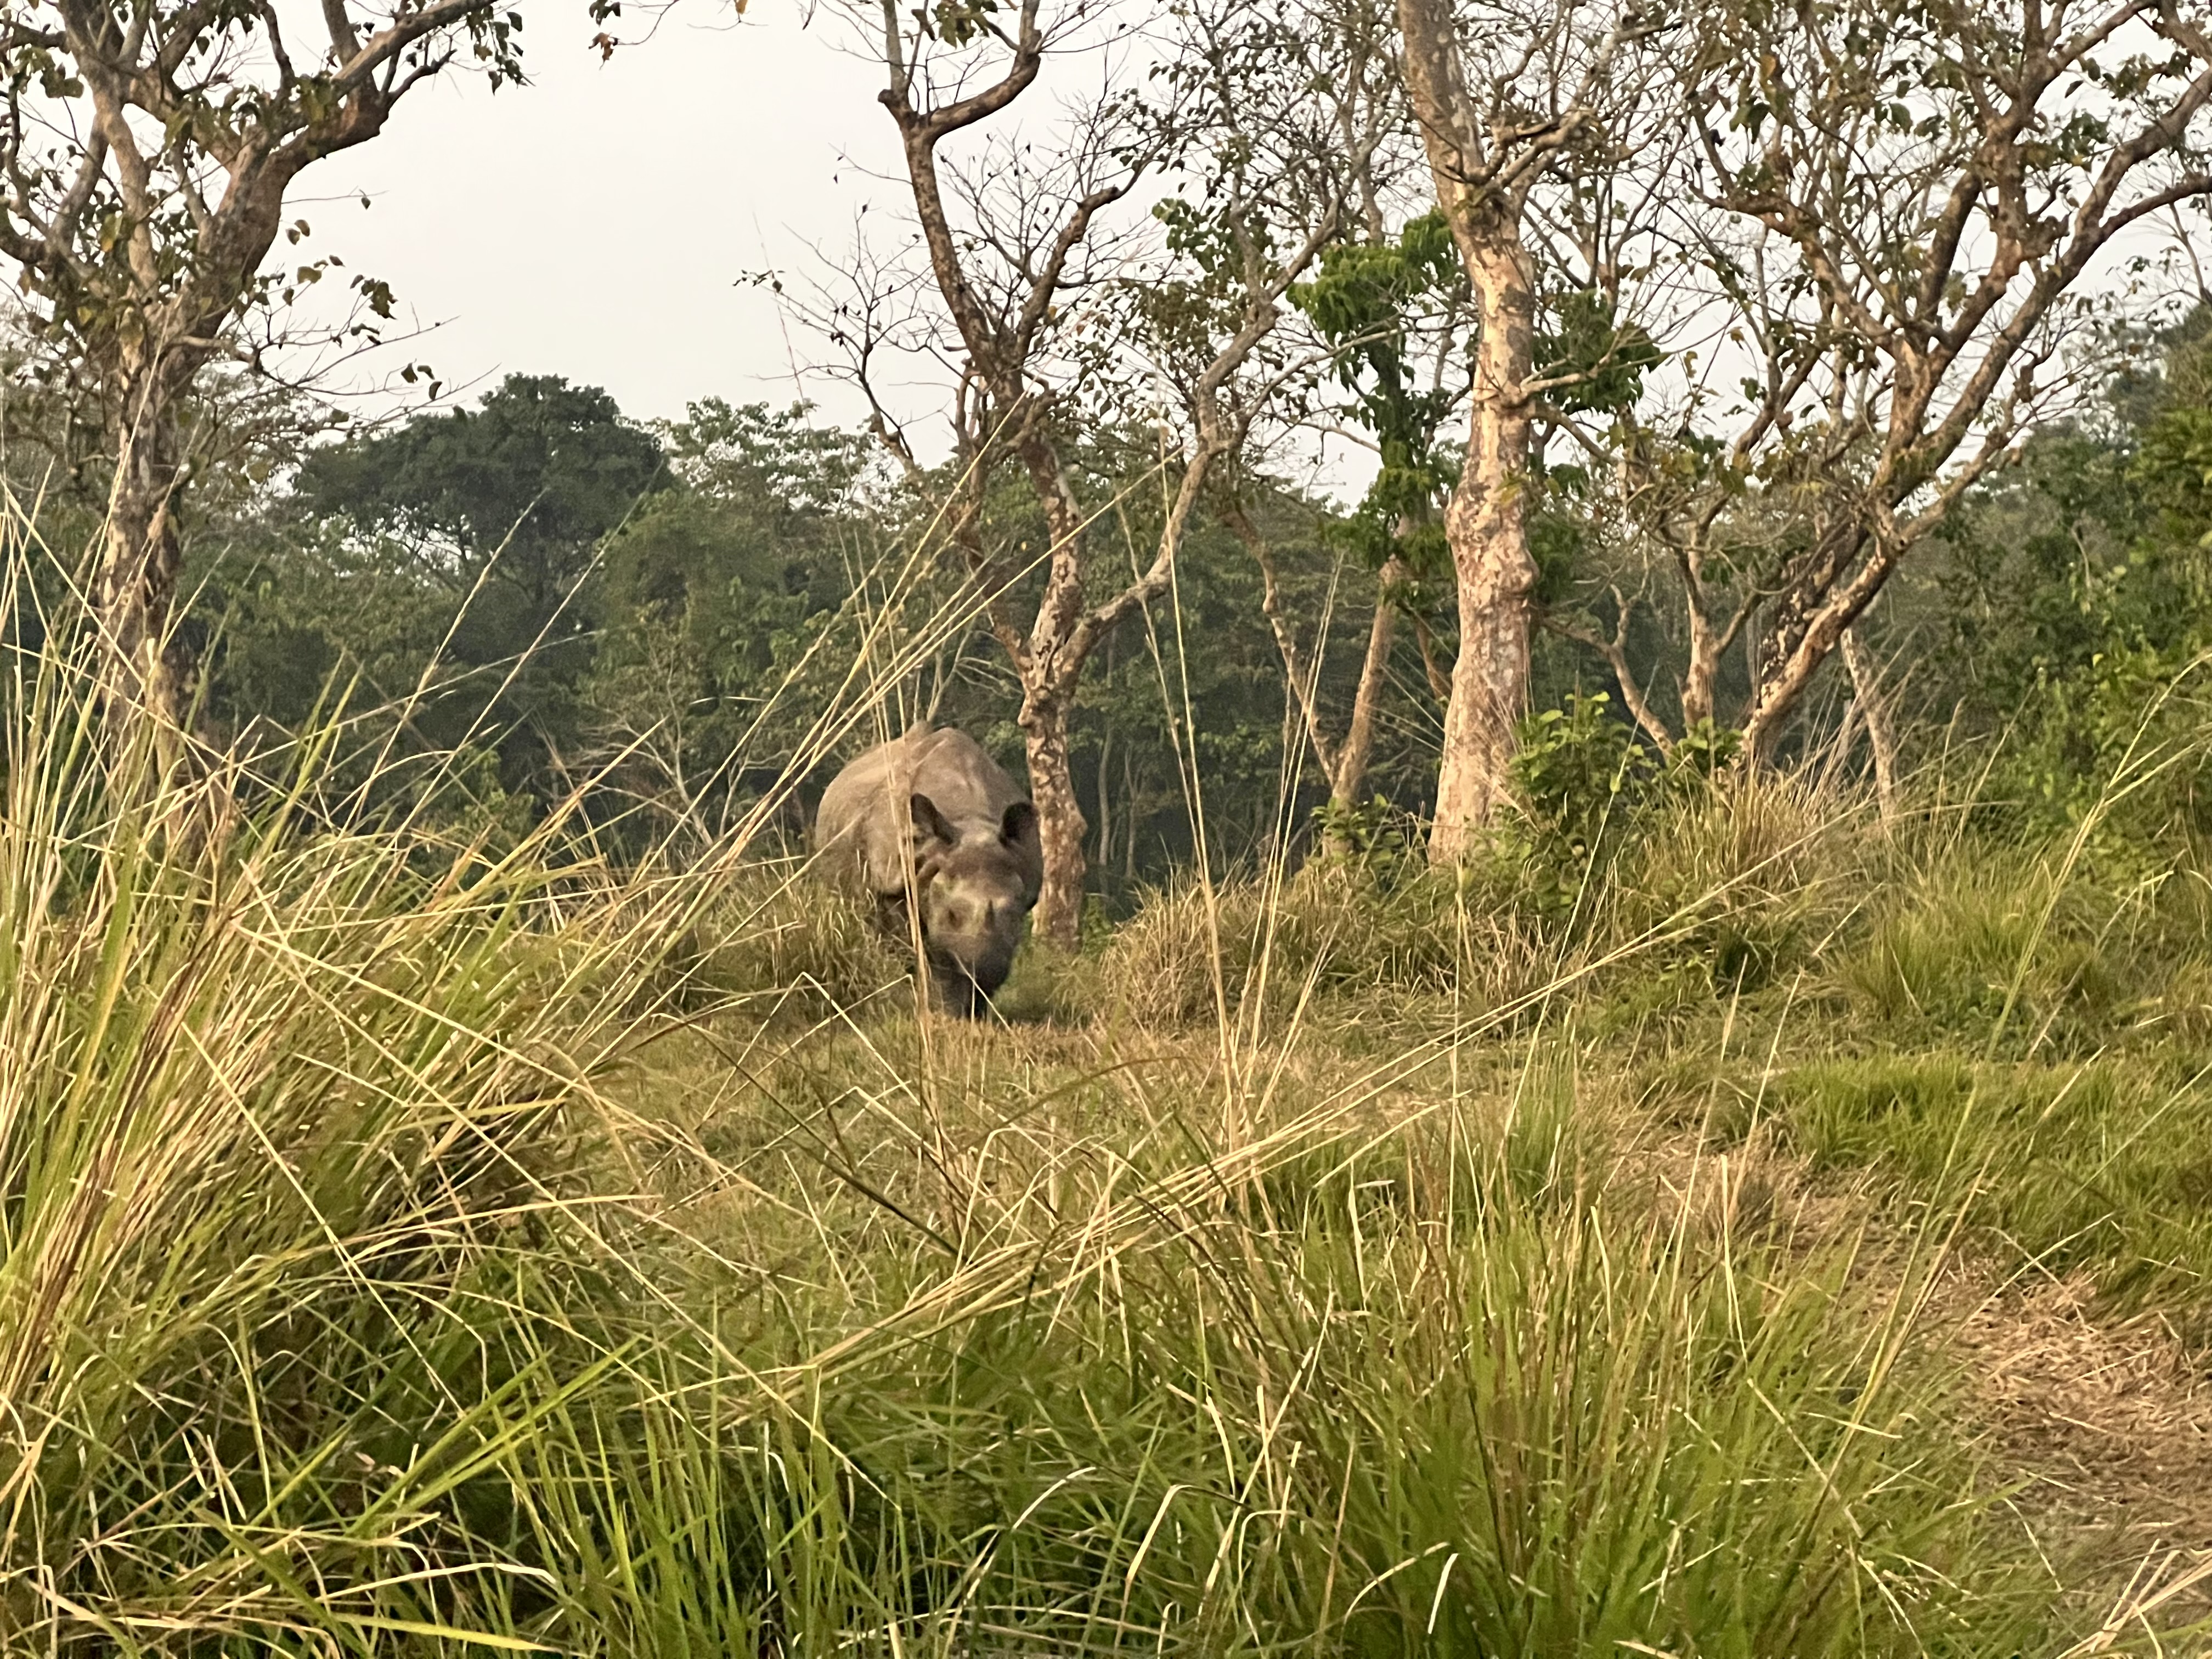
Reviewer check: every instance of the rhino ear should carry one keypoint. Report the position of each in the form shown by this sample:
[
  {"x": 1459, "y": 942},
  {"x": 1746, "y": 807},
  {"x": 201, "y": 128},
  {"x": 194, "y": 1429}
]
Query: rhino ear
[
  {"x": 929, "y": 824},
  {"x": 1020, "y": 827}
]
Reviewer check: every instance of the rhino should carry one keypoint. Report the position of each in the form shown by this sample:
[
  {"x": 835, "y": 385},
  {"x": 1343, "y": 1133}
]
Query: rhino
[{"x": 931, "y": 817}]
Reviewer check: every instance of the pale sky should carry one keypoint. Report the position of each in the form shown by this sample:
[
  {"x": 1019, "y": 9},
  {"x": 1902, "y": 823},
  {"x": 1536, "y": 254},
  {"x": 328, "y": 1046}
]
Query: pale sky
[{"x": 596, "y": 223}]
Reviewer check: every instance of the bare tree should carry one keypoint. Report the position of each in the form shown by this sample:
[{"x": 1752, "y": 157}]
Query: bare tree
[
  {"x": 1506, "y": 99},
  {"x": 1343, "y": 756},
  {"x": 147, "y": 151},
  {"x": 1019, "y": 261},
  {"x": 1905, "y": 209}
]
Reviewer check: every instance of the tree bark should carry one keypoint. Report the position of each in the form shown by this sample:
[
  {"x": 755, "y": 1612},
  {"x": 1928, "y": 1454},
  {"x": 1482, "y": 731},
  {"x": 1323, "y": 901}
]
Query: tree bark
[
  {"x": 1350, "y": 777},
  {"x": 1701, "y": 676},
  {"x": 1050, "y": 669},
  {"x": 1058, "y": 919},
  {"x": 1872, "y": 703},
  {"x": 1486, "y": 530},
  {"x": 144, "y": 673},
  {"x": 1483, "y": 522}
]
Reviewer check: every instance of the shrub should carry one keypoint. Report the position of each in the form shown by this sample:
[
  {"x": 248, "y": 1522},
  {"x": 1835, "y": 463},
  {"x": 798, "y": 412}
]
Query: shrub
[
  {"x": 777, "y": 939},
  {"x": 1336, "y": 928},
  {"x": 1587, "y": 787}
]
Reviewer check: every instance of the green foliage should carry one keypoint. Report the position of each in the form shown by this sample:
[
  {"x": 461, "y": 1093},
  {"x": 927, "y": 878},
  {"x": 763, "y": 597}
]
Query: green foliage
[
  {"x": 1579, "y": 774},
  {"x": 1732, "y": 884},
  {"x": 1372, "y": 832},
  {"x": 775, "y": 942},
  {"x": 1596, "y": 364},
  {"x": 1587, "y": 786},
  {"x": 455, "y": 556},
  {"x": 1340, "y": 931},
  {"x": 1573, "y": 1469},
  {"x": 719, "y": 602},
  {"x": 280, "y": 1106},
  {"x": 2075, "y": 595},
  {"x": 1366, "y": 301},
  {"x": 520, "y": 489},
  {"x": 1990, "y": 938}
]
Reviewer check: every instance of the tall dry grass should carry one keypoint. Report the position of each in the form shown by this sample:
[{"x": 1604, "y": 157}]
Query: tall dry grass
[{"x": 414, "y": 1246}]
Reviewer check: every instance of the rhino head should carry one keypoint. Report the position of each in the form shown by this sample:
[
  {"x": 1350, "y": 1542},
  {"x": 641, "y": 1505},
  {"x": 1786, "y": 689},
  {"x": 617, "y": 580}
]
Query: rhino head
[{"x": 976, "y": 887}]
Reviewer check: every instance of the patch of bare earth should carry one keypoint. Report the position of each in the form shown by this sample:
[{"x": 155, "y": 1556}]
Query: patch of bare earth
[
  {"x": 2108, "y": 1419},
  {"x": 2108, "y": 1422}
]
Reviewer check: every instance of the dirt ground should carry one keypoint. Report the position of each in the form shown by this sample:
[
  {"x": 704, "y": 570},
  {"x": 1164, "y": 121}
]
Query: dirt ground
[{"x": 2107, "y": 1424}]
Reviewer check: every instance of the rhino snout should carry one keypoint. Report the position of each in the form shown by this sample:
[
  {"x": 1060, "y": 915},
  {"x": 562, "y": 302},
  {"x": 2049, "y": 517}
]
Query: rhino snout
[
  {"x": 970, "y": 939},
  {"x": 986, "y": 960}
]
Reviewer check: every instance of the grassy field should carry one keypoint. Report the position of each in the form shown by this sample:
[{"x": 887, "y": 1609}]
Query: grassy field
[{"x": 1793, "y": 1241}]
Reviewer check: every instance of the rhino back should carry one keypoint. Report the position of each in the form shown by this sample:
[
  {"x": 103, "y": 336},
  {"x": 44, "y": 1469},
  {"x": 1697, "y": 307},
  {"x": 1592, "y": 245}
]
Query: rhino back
[
  {"x": 861, "y": 826},
  {"x": 969, "y": 787}
]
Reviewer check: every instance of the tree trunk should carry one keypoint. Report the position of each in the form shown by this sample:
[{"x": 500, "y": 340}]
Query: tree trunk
[
  {"x": 1487, "y": 532},
  {"x": 1058, "y": 920},
  {"x": 143, "y": 670},
  {"x": 1345, "y": 765},
  {"x": 1881, "y": 732},
  {"x": 1701, "y": 676},
  {"x": 1105, "y": 802},
  {"x": 1484, "y": 522},
  {"x": 1350, "y": 776}
]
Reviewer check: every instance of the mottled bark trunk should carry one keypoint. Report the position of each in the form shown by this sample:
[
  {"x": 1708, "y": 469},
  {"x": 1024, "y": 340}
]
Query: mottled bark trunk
[
  {"x": 1058, "y": 919},
  {"x": 1485, "y": 527},
  {"x": 1702, "y": 673},
  {"x": 144, "y": 673},
  {"x": 1050, "y": 664},
  {"x": 1481, "y": 200}
]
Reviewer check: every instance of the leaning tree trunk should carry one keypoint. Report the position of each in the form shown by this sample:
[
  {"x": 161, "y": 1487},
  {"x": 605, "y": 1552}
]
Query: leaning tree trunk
[
  {"x": 1486, "y": 527},
  {"x": 1348, "y": 777}
]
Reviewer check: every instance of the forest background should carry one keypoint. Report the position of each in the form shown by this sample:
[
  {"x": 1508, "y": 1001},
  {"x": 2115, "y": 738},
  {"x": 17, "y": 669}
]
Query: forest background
[{"x": 1759, "y": 485}]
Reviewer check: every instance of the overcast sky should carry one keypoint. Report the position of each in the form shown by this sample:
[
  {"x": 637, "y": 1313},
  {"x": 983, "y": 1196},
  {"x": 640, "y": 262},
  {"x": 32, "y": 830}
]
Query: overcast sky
[{"x": 596, "y": 223}]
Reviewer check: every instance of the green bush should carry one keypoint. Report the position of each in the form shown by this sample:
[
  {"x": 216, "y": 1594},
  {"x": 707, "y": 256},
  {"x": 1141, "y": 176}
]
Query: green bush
[{"x": 1587, "y": 787}]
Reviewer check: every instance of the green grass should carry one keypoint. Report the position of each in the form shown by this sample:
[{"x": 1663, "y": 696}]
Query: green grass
[
  {"x": 411, "y": 1245},
  {"x": 2102, "y": 1165}
]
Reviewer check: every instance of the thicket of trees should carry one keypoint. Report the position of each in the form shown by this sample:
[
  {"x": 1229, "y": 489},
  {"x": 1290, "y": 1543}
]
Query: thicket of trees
[{"x": 1777, "y": 374}]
